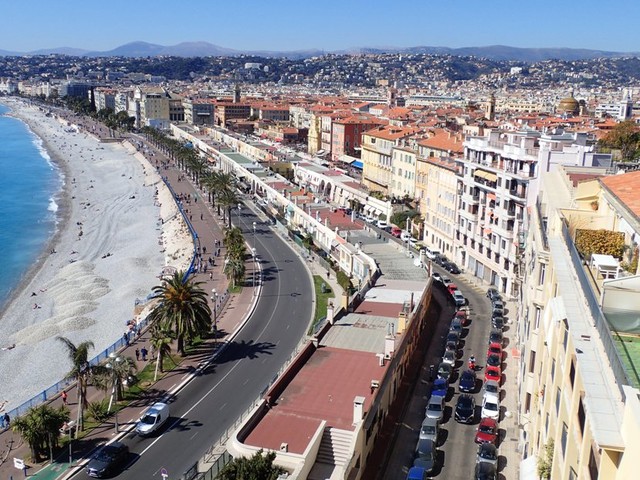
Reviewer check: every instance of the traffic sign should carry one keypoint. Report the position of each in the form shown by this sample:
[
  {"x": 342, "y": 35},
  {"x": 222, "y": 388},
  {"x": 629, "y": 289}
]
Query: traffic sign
[{"x": 164, "y": 473}]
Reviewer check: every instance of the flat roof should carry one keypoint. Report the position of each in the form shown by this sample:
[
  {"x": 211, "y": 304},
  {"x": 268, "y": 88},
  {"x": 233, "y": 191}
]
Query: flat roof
[{"x": 323, "y": 389}]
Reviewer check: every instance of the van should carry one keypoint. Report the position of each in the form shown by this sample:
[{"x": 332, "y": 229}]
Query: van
[
  {"x": 431, "y": 253},
  {"x": 153, "y": 419}
]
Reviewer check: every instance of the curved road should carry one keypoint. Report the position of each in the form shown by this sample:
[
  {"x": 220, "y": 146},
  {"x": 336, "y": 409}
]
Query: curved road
[{"x": 204, "y": 409}]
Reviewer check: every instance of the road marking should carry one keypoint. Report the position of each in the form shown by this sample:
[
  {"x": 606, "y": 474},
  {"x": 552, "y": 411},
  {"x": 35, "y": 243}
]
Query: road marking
[
  {"x": 194, "y": 436},
  {"x": 223, "y": 405}
]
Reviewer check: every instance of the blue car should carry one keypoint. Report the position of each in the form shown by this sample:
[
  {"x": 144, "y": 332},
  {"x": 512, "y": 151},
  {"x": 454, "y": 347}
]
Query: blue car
[
  {"x": 467, "y": 381},
  {"x": 440, "y": 387}
]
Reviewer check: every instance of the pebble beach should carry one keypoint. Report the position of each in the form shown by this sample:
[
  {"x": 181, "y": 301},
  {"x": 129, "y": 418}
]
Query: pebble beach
[{"x": 117, "y": 227}]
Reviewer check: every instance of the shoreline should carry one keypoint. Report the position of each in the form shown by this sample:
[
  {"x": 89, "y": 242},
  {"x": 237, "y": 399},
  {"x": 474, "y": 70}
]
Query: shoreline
[{"x": 111, "y": 242}]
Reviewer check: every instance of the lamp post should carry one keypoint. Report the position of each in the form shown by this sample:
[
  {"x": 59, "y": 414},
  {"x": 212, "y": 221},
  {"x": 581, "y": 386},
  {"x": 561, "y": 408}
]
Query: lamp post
[
  {"x": 253, "y": 283},
  {"x": 214, "y": 299},
  {"x": 239, "y": 209},
  {"x": 115, "y": 360},
  {"x": 254, "y": 235}
]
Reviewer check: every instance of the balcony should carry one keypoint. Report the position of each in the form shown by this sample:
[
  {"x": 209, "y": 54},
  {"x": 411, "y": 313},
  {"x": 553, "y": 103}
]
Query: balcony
[
  {"x": 469, "y": 215},
  {"x": 470, "y": 199}
]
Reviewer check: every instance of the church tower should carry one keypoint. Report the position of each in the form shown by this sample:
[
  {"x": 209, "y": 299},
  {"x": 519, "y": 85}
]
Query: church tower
[
  {"x": 236, "y": 94},
  {"x": 490, "y": 108}
]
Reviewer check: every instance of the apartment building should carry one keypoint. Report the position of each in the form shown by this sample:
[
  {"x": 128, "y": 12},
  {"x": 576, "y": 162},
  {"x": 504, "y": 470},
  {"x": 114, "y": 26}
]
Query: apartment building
[
  {"x": 377, "y": 152},
  {"x": 579, "y": 416},
  {"x": 154, "y": 108},
  {"x": 347, "y": 134},
  {"x": 105, "y": 98},
  {"x": 199, "y": 111},
  {"x": 498, "y": 181},
  {"x": 437, "y": 197}
]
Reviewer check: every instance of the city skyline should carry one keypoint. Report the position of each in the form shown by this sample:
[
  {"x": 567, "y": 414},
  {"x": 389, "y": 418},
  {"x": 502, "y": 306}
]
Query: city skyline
[{"x": 330, "y": 26}]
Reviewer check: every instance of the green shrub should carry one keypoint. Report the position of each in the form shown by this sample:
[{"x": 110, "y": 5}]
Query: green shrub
[
  {"x": 603, "y": 242},
  {"x": 99, "y": 410}
]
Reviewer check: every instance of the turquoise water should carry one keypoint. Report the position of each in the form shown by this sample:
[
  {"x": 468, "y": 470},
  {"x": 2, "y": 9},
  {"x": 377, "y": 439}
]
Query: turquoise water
[{"x": 29, "y": 183}]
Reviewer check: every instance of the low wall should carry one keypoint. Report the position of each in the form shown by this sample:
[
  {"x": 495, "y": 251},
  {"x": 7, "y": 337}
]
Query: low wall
[{"x": 292, "y": 370}]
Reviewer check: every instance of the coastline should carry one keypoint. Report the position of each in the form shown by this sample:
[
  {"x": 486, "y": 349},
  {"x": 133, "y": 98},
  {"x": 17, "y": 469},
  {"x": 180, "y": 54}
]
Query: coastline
[{"x": 112, "y": 238}]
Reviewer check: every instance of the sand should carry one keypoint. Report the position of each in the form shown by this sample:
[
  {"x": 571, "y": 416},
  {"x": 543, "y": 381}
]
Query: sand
[{"x": 117, "y": 229}]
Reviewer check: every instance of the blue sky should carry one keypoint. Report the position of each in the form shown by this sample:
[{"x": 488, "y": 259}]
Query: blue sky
[{"x": 324, "y": 24}]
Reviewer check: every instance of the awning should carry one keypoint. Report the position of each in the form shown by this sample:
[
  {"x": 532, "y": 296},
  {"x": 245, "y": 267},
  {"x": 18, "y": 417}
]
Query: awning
[
  {"x": 491, "y": 196},
  {"x": 492, "y": 177},
  {"x": 358, "y": 164}
]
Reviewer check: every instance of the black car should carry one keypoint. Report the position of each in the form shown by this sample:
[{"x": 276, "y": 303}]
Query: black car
[
  {"x": 493, "y": 294},
  {"x": 485, "y": 471},
  {"x": 497, "y": 323},
  {"x": 494, "y": 360},
  {"x": 467, "y": 381},
  {"x": 425, "y": 454},
  {"x": 451, "y": 267},
  {"x": 497, "y": 304},
  {"x": 465, "y": 409},
  {"x": 497, "y": 312},
  {"x": 453, "y": 337},
  {"x": 444, "y": 371},
  {"x": 495, "y": 337},
  {"x": 108, "y": 460}
]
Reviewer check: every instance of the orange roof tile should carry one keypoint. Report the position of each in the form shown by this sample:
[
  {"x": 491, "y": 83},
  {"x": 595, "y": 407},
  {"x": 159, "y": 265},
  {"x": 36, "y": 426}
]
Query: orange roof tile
[{"x": 625, "y": 187}]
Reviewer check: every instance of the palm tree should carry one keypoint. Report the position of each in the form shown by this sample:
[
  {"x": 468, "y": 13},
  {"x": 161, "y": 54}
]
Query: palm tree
[
  {"x": 81, "y": 371},
  {"x": 119, "y": 371},
  {"x": 183, "y": 307},
  {"x": 228, "y": 199},
  {"x": 40, "y": 428},
  {"x": 234, "y": 269},
  {"x": 161, "y": 339}
]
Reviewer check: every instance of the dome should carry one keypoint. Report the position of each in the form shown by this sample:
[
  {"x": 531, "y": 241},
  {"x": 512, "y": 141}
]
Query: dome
[{"x": 568, "y": 105}]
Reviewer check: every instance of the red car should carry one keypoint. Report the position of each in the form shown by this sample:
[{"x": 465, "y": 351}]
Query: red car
[
  {"x": 493, "y": 373},
  {"x": 452, "y": 287},
  {"x": 487, "y": 431},
  {"x": 464, "y": 318},
  {"x": 494, "y": 348}
]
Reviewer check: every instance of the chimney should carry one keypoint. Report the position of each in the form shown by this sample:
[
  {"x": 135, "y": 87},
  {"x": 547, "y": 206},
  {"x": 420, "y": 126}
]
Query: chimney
[
  {"x": 358, "y": 409},
  {"x": 389, "y": 346}
]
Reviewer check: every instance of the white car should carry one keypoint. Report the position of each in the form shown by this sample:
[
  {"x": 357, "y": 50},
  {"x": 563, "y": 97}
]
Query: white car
[
  {"x": 459, "y": 298},
  {"x": 449, "y": 357},
  {"x": 405, "y": 236},
  {"x": 382, "y": 224},
  {"x": 491, "y": 406}
]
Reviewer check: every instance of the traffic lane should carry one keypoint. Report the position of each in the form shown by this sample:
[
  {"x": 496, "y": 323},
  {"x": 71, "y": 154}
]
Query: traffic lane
[
  {"x": 459, "y": 449},
  {"x": 209, "y": 405}
]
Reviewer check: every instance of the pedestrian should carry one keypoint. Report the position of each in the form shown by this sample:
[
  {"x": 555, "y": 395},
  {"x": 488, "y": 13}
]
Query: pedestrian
[
  {"x": 137, "y": 355},
  {"x": 125, "y": 337},
  {"x": 210, "y": 275},
  {"x": 6, "y": 420},
  {"x": 328, "y": 275},
  {"x": 200, "y": 216},
  {"x": 144, "y": 352},
  {"x": 64, "y": 397}
]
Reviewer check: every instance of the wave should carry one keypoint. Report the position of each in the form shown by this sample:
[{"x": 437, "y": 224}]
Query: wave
[{"x": 53, "y": 206}]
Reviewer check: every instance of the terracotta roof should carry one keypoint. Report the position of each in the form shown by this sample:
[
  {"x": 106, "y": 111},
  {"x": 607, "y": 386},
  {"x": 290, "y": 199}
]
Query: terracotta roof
[
  {"x": 625, "y": 187},
  {"x": 444, "y": 140},
  {"x": 391, "y": 132}
]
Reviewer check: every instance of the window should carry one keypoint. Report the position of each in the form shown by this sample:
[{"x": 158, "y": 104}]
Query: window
[
  {"x": 538, "y": 314},
  {"x": 546, "y": 424},
  {"x": 527, "y": 402},
  {"x": 542, "y": 273},
  {"x": 532, "y": 361},
  {"x": 572, "y": 474},
  {"x": 572, "y": 373},
  {"x": 563, "y": 439},
  {"x": 581, "y": 416},
  {"x": 558, "y": 391},
  {"x": 565, "y": 338},
  {"x": 553, "y": 369}
]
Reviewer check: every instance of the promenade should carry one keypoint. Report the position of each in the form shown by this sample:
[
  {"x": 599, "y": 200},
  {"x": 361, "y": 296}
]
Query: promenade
[{"x": 230, "y": 318}]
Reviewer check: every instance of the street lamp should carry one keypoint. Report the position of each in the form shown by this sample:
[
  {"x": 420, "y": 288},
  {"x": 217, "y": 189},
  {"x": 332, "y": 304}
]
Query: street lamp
[
  {"x": 115, "y": 360},
  {"x": 214, "y": 299},
  {"x": 253, "y": 253},
  {"x": 254, "y": 235}
]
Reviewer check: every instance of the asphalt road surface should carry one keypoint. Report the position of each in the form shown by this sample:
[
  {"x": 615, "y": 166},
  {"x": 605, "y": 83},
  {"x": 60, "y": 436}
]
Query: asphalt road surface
[{"x": 209, "y": 405}]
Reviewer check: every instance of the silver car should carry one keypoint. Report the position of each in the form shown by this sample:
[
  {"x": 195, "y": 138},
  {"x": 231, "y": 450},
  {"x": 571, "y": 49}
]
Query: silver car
[
  {"x": 430, "y": 429},
  {"x": 435, "y": 407}
]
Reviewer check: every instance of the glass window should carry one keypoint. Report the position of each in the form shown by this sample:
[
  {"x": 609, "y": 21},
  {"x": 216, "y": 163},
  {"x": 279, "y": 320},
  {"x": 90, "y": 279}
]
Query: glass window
[{"x": 563, "y": 439}]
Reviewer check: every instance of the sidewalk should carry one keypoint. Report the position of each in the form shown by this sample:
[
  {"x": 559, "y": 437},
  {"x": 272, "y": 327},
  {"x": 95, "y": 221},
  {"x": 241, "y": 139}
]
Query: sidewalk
[{"x": 230, "y": 317}]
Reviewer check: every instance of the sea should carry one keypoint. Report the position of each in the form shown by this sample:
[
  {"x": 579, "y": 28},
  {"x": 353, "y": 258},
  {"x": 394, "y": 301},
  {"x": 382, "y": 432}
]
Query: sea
[{"x": 29, "y": 185}]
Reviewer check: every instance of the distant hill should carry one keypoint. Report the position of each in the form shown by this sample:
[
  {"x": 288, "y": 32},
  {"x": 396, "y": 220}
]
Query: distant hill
[{"x": 206, "y": 49}]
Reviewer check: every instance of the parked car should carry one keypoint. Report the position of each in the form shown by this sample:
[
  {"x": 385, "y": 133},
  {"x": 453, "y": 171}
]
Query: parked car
[
  {"x": 459, "y": 299},
  {"x": 494, "y": 360},
  {"x": 447, "y": 281},
  {"x": 452, "y": 345},
  {"x": 413, "y": 242},
  {"x": 463, "y": 316},
  {"x": 452, "y": 287},
  {"x": 437, "y": 277},
  {"x": 467, "y": 382},
  {"x": 487, "y": 431},
  {"x": 451, "y": 268},
  {"x": 382, "y": 224},
  {"x": 493, "y": 294},
  {"x": 495, "y": 349},
  {"x": 491, "y": 387},
  {"x": 497, "y": 323},
  {"x": 417, "y": 473},
  {"x": 495, "y": 336},
  {"x": 493, "y": 373},
  {"x": 497, "y": 312},
  {"x": 456, "y": 326},
  {"x": 453, "y": 336},
  {"x": 449, "y": 357},
  {"x": 444, "y": 371},
  {"x": 396, "y": 232},
  {"x": 440, "y": 387},
  {"x": 431, "y": 253},
  {"x": 491, "y": 406},
  {"x": 487, "y": 452},
  {"x": 108, "y": 460},
  {"x": 485, "y": 471},
  {"x": 430, "y": 429},
  {"x": 497, "y": 304},
  {"x": 405, "y": 236},
  {"x": 465, "y": 409},
  {"x": 425, "y": 455},
  {"x": 435, "y": 407}
]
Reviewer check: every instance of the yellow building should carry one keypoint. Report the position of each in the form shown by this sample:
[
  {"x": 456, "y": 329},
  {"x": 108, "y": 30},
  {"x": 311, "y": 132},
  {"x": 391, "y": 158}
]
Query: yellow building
[
  {"x": 403, "y": 172},
  {"x": 377, "y": 145},
  {"x": 579, "y": 418}
]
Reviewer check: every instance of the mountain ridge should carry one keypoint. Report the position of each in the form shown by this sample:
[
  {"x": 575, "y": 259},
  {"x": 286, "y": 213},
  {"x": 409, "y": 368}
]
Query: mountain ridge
[{"x": 205, "y": 49}]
